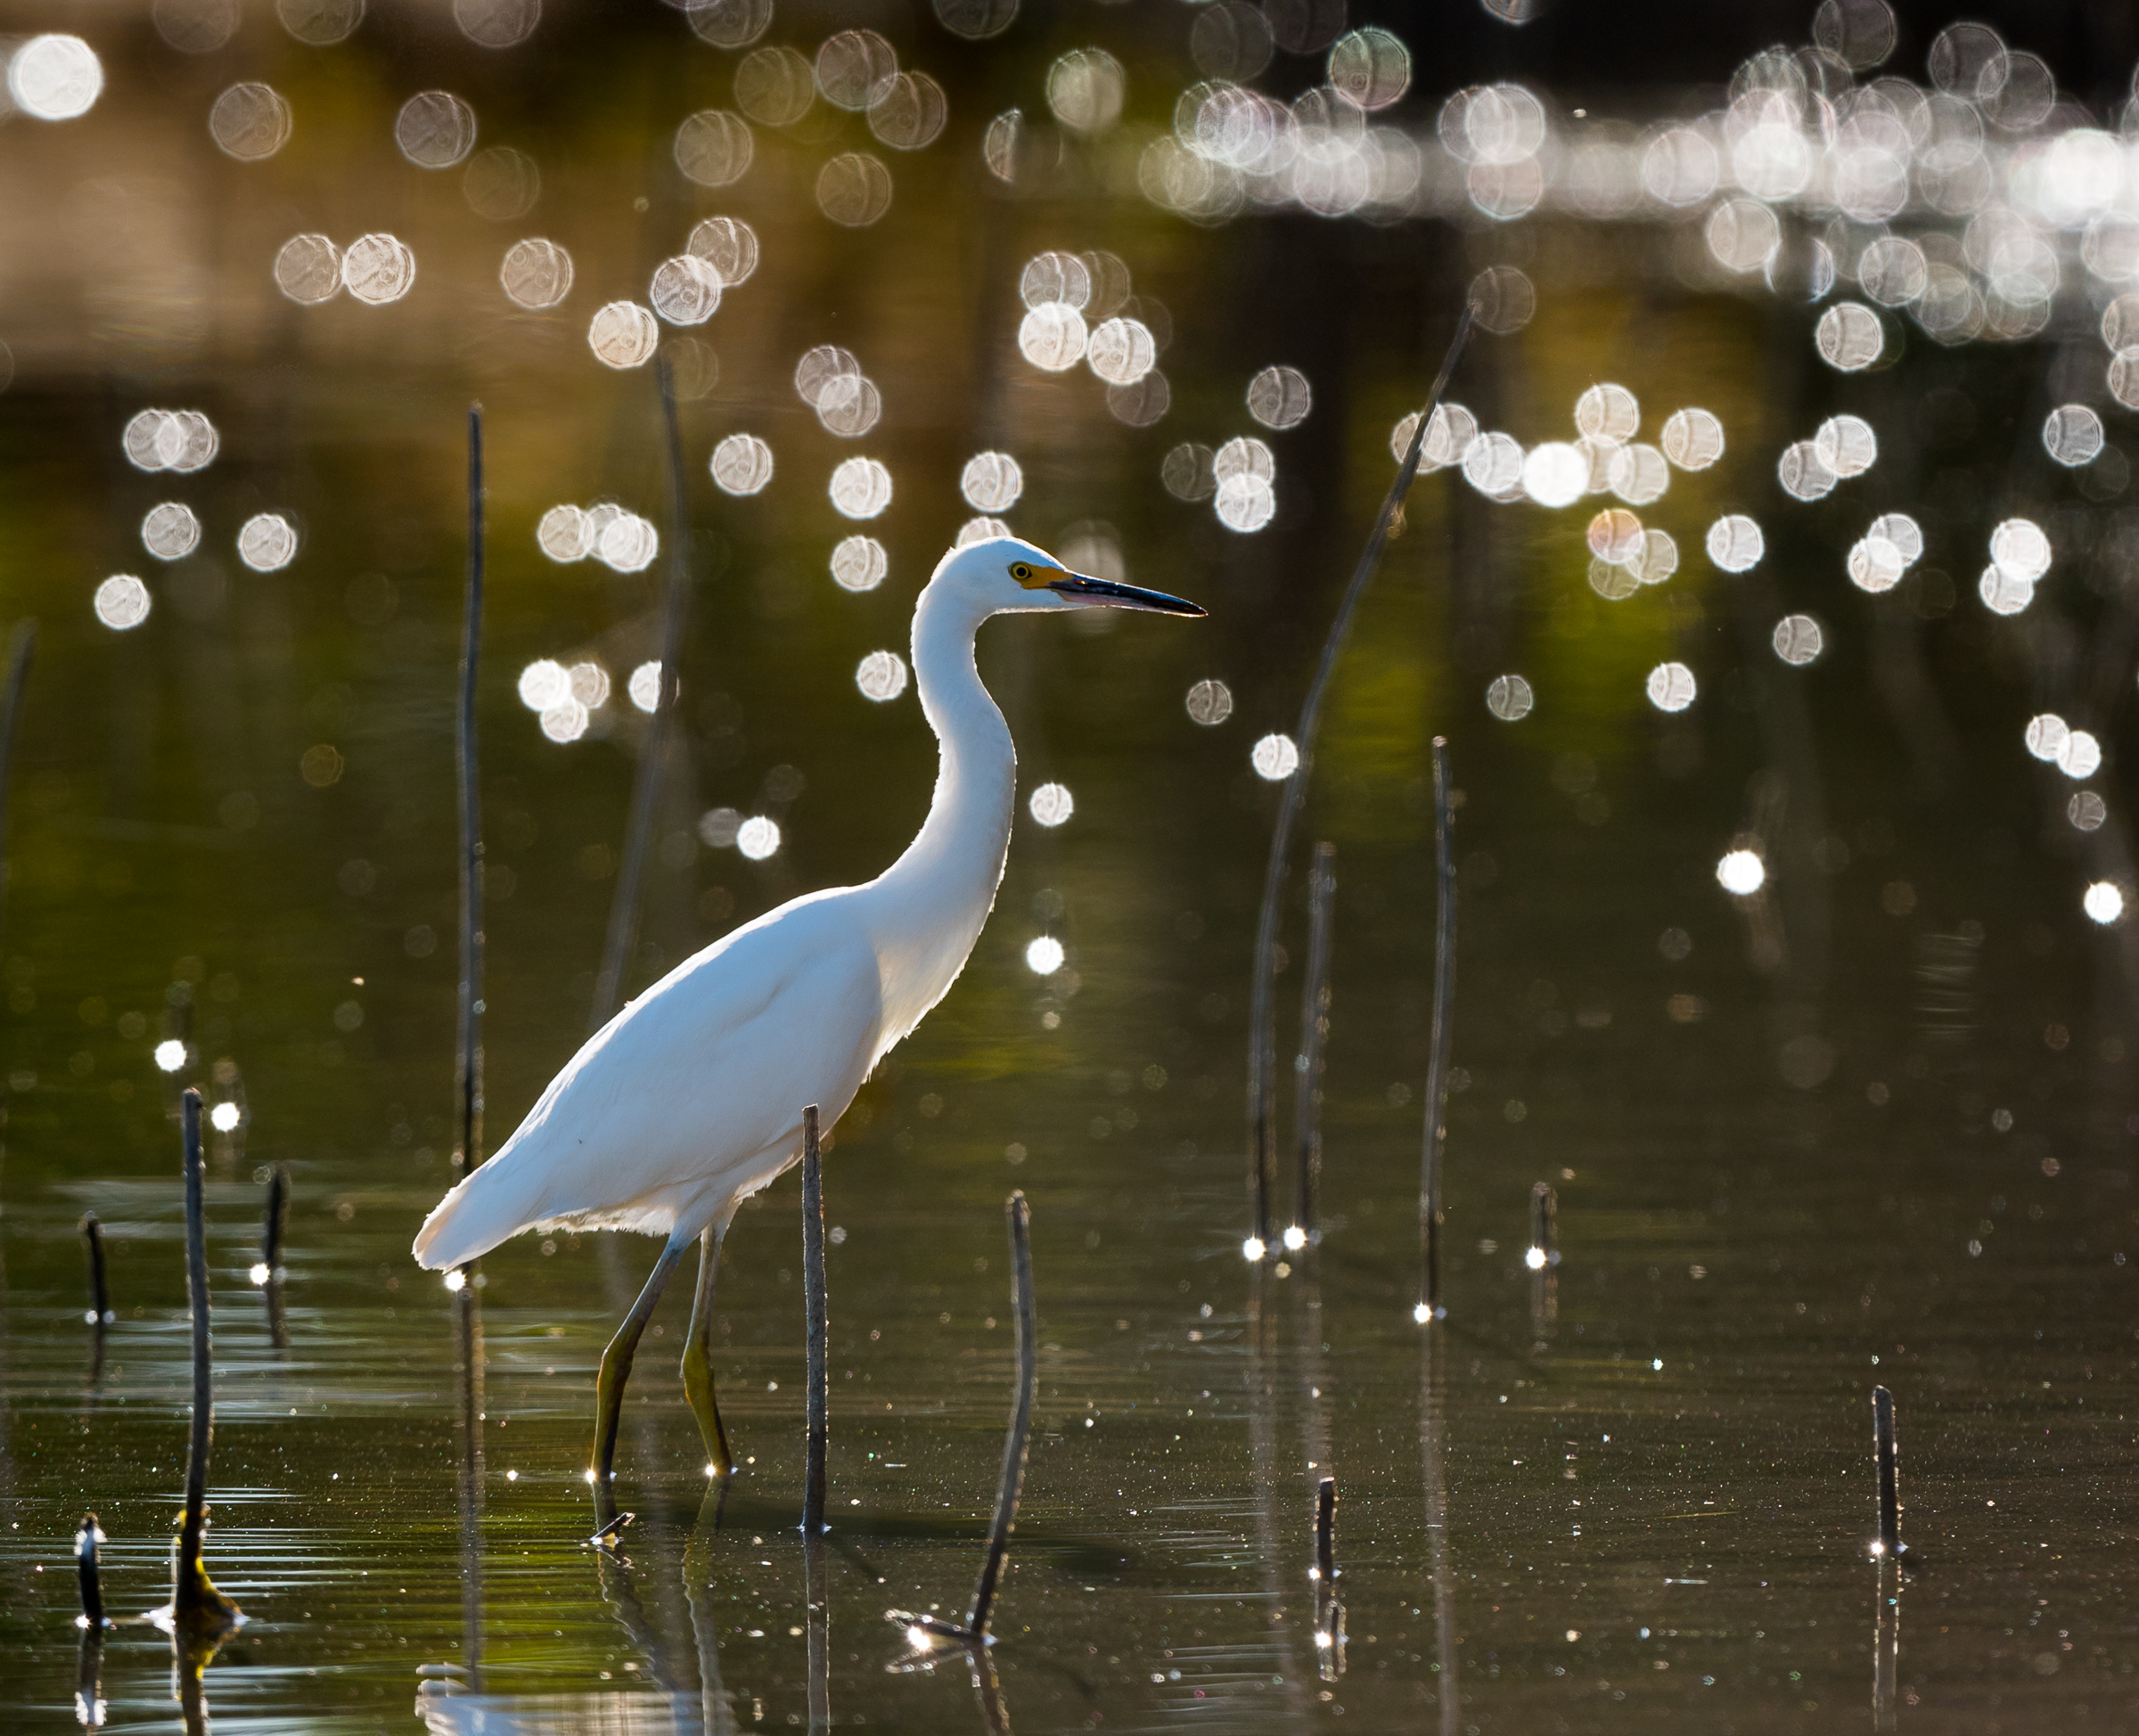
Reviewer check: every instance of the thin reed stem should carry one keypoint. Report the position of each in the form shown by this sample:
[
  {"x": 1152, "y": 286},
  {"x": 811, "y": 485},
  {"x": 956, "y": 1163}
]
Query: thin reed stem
[
  {"x": 1314, "y": 1030},
  {"x": 276, "y": 1221},
  {"x": 100, "y": 1285},
  {"x": 813, "y": 1292},
  {"x": 86, "y": 1541},
  {"x": 1262, "y": 1039},
  {"x": 978, "y": 1615},
  {"x": 1430, "y": 1210},
  {"x": 1325, "y": 1532},
  {"x": 624, "y": 909},
  {"x": 1890, "y": 1497},
  {"x": 468, "y": 1045},
  {"x": 1544, "y": 1221},
  {"x": 195, "y": 1603}
]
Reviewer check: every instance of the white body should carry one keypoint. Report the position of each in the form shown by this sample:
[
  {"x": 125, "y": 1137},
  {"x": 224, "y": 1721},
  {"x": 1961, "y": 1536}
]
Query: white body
[{"x": 690, "y": 1099}]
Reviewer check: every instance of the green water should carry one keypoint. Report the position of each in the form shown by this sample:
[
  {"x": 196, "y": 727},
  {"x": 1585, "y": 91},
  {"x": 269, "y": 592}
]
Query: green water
[{"x": 1873, "y": 1126}]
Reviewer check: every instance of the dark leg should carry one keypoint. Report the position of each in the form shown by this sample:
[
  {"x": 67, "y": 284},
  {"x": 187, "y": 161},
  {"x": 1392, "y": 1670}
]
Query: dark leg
[
  {"x": 697, "y": 1358},
  {"x": 616, "y": 1370}
]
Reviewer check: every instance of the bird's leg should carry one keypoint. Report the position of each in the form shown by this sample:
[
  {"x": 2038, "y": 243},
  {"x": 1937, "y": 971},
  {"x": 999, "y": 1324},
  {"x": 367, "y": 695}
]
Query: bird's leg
[
  {"x": 698, "y": 1360},
  {"x": 616, "y": 1370}
]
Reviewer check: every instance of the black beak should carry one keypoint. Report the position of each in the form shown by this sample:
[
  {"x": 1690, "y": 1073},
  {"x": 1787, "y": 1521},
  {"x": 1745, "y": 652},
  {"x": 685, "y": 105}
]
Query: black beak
[{"x": 1108, "y": 594}]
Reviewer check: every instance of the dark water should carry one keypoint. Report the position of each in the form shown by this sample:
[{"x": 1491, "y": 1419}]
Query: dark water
[{"x": 1873, "y": 1125}]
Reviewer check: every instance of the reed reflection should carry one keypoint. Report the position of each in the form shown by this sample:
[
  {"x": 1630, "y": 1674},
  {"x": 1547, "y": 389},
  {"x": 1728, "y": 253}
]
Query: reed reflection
[{"x": 1432, "y": 1452}]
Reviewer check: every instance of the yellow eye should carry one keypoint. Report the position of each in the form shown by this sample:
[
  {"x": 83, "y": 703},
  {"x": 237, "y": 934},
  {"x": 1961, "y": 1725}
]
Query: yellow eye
[{"x": 1020, "y": 571}]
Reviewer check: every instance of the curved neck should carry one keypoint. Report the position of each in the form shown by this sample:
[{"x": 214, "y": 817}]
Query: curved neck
[{"x": 944, "y": 884}]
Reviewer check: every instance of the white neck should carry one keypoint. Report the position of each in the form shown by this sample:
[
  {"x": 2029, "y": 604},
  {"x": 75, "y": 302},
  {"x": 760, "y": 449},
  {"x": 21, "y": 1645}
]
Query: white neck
[{"x": 932, "y": 902}]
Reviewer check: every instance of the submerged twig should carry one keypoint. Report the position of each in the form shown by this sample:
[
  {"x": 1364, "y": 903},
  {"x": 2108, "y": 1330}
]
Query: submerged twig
[
  {"x": 196, "y": 1605},
  {"x": 982, "y": 1608},
  {"x": 819, "y": 1405},
  {"x": 1437, "y": 1064},
  {"x": 1889, "y": 1500},
  {"x": 1314, "y": 1028},
  {"x": 275, "y": 1222},
  {"x": 468, "y": 1043},
  {"x": 1325, "y": 1531},
  {"x": 1886, "y": 1643},
  {"x": 645, "y": 790},
  {"x": 1261, "y": 1019},
  {"x": 1545, "y": 1219}
]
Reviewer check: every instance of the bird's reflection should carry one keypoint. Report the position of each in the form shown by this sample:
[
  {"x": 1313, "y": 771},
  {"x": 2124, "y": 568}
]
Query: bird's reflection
[
  {"x": 468, "y": 1380},
  {"x": 89, "y": 1708},
  {"x": 1886, "y": 1643},
  {"x": 930, "y": 1649}
]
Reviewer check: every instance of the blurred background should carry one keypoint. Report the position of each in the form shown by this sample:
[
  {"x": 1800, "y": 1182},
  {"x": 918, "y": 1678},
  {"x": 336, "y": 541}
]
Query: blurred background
[{"x": 1769, "y": 572}]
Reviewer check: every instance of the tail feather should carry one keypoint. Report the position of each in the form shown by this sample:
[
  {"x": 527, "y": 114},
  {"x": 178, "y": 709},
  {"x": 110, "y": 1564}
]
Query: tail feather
[{"x": 493, "y": 1205}]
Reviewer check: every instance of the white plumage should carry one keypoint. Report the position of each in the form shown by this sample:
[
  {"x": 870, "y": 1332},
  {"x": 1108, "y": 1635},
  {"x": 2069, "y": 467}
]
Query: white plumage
[{"x": 690, "y": 1099}]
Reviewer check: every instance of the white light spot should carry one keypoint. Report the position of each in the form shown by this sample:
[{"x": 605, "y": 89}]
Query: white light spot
[
  {"x": 758, "y": 837},
  {"x": 2072, "y": 435},
  {"x": 1735, "y": 544},
  {"x": 741, "y": 464},
  {"x": 1617, "y": 535},
  {"x": 170, "y": 531},
  {"x": 1847, "y": 446},
  {"x": 567, "y": 720},
  {"x": 685, "y": 291},
  {"x": 435, "y": 129},
  {"x": 622, "y": 334},
  {"x": 308, "y": 270},
  {"x": 565, "y": 534},
  {"x": 2046, "y": 736},
  {"x": 378, "y": 268},
  {"x": 544, "y": 684},
  {"x": 1209, "y": 702},
  {"x": 859, "y": 563},
  {"x": 1245, "y": 503},
  {"x": 170, "y": 1054},
  {"x": 981, "y": 529},
  {"x": 2087, "y": 811},
  {"x": 1052, "y": 804},
  {"x": 1052, "y": 337},
  {"x": 1797, "y": 640},
  {"x": 1671, "y": 687},
  {"x": 881, "y": 675},
  {"x": 267, "y": 542},
  {"x": 1875, "y": 565},
  {"x": 222, "y": 1117},
  {"x": 122, "y": 602},
  {"x": 1742, "y": 873},
  {"x": 55, "y": 77},
  {"x": 1803, "y": 473},
  {"x": 589, "y": 684},
  {"x": 1274, "y": 758},
  {"x": 991, "y": 482},
  {"x": 258, "y": 1272},
  {"x": 1608, "y": 412},
  {"x": 627, "y": 544},
  {"x": 1277, "y": 397},
  {"x": 1535, "y": 1259},
  {"x": 536, "y": 274},
  {"x": 249, "y": 122},
  {"x": 714, "y": 147},
  {"x": 2103, "y": 901},
  {"x": 1296, "y": 1238},
  {"x": 1044, "y": 957},
  {"x": 456, "y": 1280},
  {"x": 1121, "y": 351},
  {"x": 1493, "y": 465},
  {"x": 1555, "y": 474},
  {"x": 1850, "y": 336},
  {"x": 2080, "y": 757},
  {"x": 861, "y": 488},
  {"x": 2020, "y": 550},
  {"x": 1250, "y": 1249},
  {"x": 1693, "y": 440},
  {"x": 1509, "y": 698},
  {"x": 645, "y": 686},
  {"x": 718, "y": 826}
]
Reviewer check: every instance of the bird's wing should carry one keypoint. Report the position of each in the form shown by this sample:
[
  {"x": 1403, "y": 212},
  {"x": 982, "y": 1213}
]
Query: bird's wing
[{"x": 695, "y": 1087}]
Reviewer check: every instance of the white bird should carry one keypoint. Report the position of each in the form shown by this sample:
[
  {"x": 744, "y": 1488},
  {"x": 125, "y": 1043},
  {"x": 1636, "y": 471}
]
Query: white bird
[{"x": 690, "y": 1099}]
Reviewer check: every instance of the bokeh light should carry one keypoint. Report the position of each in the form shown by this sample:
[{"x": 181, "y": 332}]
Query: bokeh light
[
  {"x": 2103, "y": 901},
  {"x": 122, "y": 602},
  {"x": 881, "y": 675},
  {"x": 1050, "y": 804},
  {"x": 55, "y": 78},
  {"x": 170, "y": 531},
  {"x": 1741, "y": 872},
  {"x": 623, "y": 335},
  {"x": 1274, "y": 758},
  {"x": 1671, "y": 687},
  {"x": 1043, "y": 955},
  {"x": 1209, "y": 702},
  {"x": 435, "y": 129},
  {"x": 861, "y": 488},
  {"x": 741, "y": 464},
  {"x": 859, "y": 563},
  {"x": 1509, "y": 698},
  {"x": 267, "y": 542},
  {"x": 991, "y": 481}
]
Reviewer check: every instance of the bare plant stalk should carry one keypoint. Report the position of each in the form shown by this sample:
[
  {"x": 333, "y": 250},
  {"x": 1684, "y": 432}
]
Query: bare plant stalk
[
  {"x": 1886, "y": 1643},
  {"x": 1314, "y": 1031},
  {"x": 1262, "y": 1052},
  {"x": 468, "y": 1046},
  {"x": 195, "y": 1603},
  {"x": 100, "y": 1285},
  {"x": 1325, "y": 1532},
  {"x": 1437, "y": 1065},
  {"x": 1544, "y": 1218},
  {"x": 813, "y": 1292},
  {"x": 1889, "y": 1500},
  {"x": 982, "y": 1608},
  {"x": 86, "y": 1541},
  {"x": 276, "y": 1221},
  {"x": 645, "y": 792}
]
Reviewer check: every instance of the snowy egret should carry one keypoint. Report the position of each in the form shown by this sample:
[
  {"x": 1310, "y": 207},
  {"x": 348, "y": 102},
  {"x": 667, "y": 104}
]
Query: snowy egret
[{"x": 690, "y": 1099}]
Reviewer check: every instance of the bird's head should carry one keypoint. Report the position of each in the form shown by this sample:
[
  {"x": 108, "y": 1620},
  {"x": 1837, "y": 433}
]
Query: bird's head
[{"x": 1007, "y": 574}]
